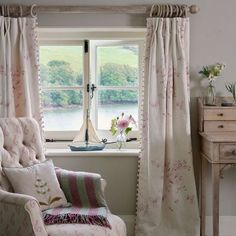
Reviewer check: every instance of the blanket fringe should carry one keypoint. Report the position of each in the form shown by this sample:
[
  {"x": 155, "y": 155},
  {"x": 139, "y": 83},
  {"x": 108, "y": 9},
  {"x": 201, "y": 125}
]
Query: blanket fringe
[{"x": 75, "y": 218}]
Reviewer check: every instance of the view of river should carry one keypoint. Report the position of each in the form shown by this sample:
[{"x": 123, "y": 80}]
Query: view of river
[{"x": 72, "y": 118}]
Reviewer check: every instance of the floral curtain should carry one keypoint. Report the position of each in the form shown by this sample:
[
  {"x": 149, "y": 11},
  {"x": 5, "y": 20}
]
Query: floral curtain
[
  {"x": 167, "y": 201},
  {"x": 19, "y": 81}
]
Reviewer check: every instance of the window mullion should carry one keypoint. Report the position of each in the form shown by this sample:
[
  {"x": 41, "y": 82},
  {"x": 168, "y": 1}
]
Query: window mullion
[
  {"x": 63, "y": 88},
  {"x": 86, "y": 76},
  {"x": 117, "y": 88},
  {"x": 93, "y": 79}
]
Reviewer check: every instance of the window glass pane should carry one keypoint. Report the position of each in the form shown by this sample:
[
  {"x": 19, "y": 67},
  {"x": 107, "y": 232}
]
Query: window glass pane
[
  {"x": 111, "y": 103},
  {"x": 61, "y": 65},
  {"x": 63, "y": 109},
  {"x": 118, "y": 65}
]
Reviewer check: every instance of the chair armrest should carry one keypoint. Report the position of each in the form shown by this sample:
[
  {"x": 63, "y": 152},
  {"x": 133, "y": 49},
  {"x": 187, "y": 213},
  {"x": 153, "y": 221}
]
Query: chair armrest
[
  {"x": 104, "y": 184},
  {"x": 20, "y": 215}
]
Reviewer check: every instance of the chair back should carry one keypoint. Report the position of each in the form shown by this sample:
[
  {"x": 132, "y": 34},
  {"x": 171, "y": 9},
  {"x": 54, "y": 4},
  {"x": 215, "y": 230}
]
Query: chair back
[{"x": 20, "y": 145}]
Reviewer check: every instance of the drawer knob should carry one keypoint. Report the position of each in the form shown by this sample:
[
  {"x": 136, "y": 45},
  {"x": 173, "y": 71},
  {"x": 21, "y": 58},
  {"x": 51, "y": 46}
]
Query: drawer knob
[
  {"x": 220, "y": 114},
  {"x": 220, "y": 126},
  {"x": 234, "y": 152}
]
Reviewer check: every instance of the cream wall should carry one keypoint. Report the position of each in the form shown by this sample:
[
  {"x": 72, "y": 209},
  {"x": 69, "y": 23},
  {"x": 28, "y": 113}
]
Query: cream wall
[{"x": 213, "y": 38}]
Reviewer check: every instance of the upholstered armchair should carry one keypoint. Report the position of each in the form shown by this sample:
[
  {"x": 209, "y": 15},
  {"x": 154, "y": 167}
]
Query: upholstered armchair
[{"x": 20, "y": 146}]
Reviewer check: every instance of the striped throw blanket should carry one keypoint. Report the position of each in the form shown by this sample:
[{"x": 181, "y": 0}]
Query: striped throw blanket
[{"x": 84, "y": 191}]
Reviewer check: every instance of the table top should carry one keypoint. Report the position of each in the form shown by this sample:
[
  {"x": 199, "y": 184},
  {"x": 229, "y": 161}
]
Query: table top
[{"x": 219, "y": 137}]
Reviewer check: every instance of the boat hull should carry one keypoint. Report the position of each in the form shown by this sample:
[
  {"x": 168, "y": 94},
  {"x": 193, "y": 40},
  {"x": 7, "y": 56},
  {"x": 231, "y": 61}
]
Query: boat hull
[{"x": 89, "y": 147}]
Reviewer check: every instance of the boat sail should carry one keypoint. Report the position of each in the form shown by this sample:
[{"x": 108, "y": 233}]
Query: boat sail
[{"x": 87, "y": 139}]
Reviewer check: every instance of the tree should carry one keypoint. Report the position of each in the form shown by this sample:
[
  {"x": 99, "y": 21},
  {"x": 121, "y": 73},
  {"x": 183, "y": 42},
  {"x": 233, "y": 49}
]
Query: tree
[
  {"x": 118, "y": 75},
  {"x": 59, "y": 73}
]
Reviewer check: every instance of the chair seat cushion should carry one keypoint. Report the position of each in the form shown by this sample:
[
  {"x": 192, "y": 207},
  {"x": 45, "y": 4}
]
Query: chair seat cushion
[{"x": 118, "y": 228}]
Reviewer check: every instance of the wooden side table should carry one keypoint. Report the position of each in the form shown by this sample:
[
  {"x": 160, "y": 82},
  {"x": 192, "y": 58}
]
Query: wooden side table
[
  {"x": 219, "y": 150},
  {"x": 217, "y": 126}
]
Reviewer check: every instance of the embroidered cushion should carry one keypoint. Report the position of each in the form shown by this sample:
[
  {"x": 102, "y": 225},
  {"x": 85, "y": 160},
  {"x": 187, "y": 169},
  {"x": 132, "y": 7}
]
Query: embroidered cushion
[{"x": 39, "y": 181}]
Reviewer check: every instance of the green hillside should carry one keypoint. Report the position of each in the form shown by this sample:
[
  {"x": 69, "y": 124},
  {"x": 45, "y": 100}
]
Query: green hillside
[{"x": 74, "y": 55}]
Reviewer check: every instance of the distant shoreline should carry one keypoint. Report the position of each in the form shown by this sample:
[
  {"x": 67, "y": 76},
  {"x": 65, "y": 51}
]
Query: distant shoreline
[{"x": 81, "y": 105}]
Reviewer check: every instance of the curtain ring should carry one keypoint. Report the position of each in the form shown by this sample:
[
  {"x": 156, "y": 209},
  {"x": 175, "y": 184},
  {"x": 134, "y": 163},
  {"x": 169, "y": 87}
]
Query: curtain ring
[
  {"x": 8, "y": 10},
  {"x": 159, "y": 10},
  {"x": 185, "y": 10},
  {"x": 152, "y": 9},
  {"x": 162, "y": 11},
  {"x": 177, "y": 10},
  {"x": 167, "y": 10},
  {"x": 174, "y": 10},
  {"x": 2, "y": 10},
  {"x": 180, "y": 11},
  {"x": 21, "y": 11},
  {"x": 32, "y": 13},
  {"x": 171, "y": 10}
]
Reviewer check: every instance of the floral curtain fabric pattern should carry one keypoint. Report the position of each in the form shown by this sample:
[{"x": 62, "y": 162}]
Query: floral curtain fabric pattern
[
  {"x": 167, "y": 200},
  {"x": 19, "y": 83}
]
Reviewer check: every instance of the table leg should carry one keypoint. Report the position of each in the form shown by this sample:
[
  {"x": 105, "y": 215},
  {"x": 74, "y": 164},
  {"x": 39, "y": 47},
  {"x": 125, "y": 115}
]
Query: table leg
[
  {"x": 215, "y": 195},
  {"x": 202, "y": 203}
]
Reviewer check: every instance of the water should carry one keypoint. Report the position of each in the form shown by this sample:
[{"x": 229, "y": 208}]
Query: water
[{"x": 62, "y": 119}]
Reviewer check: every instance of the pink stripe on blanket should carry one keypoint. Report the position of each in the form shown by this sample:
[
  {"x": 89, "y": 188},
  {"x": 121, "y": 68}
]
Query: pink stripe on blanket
[
  {"x": 93, "y": 211},
  {"x": 90, "y": 191},
  {"x": 56, "y": 211},
  {"x": 73, "y": 189}
]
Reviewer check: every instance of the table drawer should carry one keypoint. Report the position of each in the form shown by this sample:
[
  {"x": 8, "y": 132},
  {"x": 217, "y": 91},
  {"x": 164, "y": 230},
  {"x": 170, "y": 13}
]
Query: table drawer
[
  {"x": 220, "y": 114},
  {"x": 228, "y": 151},
  {"x": 224, "y": 126}
]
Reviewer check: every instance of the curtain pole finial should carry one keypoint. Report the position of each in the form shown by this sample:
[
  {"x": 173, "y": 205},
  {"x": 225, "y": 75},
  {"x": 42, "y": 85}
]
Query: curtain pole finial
[{"x": 193, "y": 9}]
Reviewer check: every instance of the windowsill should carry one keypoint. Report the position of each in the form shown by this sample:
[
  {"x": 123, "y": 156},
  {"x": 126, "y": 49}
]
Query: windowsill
[
  {"x": 65, "y": 144},
  {"x": 62, "y": 152}
]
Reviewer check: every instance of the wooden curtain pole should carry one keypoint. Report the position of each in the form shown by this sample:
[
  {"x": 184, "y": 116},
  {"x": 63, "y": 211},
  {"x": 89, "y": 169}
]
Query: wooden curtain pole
[{"x": 131, "y": 9}]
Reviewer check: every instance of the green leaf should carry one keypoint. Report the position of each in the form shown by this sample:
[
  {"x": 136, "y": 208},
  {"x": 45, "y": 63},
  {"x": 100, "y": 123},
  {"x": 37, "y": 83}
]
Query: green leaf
[
  {"x": 113, "y": 130},
  {"x": 127, "y": 130}
]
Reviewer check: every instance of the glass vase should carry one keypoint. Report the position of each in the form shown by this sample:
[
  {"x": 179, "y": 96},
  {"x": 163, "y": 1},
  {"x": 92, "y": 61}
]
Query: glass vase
[
  {"x": 121, "y": 140},
  {"x": 210, "y": 99}
]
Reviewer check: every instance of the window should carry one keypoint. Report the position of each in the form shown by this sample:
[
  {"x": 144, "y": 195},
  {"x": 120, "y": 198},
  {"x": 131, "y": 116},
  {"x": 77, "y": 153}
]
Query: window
[
  {"x": 62, "y": 81},
  {"x": 117, "y": 80},
  {"x": 113, "y": 66}
]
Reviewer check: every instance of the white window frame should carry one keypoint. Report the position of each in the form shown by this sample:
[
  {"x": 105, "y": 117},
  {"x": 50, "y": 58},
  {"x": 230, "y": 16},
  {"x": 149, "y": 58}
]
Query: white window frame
[
  {"x": 70, "y": 134},
  {"x": 67, "y": 135},
  {"x": 94, "y": 78}
]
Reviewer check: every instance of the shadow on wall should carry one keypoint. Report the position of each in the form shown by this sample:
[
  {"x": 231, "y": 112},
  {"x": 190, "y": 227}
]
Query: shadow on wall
[{"x": 196, "y": 90}]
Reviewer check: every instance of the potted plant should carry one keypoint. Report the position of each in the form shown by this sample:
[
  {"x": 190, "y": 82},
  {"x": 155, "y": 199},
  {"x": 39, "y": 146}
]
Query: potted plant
[
  {"x": 122, "y": 125},
  {"x": 211, "y": 73},
  {"x": 231, "y": 87}
]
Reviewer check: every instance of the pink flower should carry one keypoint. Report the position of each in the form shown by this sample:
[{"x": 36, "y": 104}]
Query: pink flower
[{"x": 122, "y": 123}]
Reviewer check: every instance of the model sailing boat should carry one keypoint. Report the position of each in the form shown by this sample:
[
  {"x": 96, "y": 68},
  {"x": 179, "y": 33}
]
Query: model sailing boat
[{"x": 87, "y": 139}]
